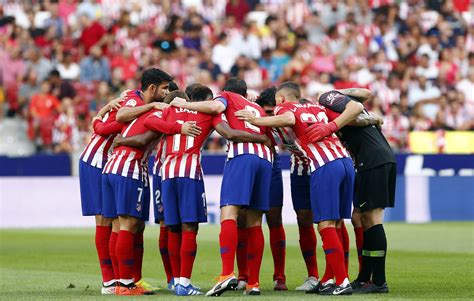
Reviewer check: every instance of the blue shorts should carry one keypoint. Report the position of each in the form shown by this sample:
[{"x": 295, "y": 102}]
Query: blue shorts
[
  {"x": 90, "y": 179},
  {"x": 123, "y": 196},
  {"x": 276, "y": 185},
  {"x": 246, "y": 182},
  {"x": 184, "y": 201},
  {"x": 157, "y": 203},
  {"x": 332, "y": 189},
  {"x": 300, "y": 191}
]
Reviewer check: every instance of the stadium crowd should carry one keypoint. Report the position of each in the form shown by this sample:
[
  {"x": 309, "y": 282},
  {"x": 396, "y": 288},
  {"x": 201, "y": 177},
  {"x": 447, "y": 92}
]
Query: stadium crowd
[{"x": 61, "y": 61}]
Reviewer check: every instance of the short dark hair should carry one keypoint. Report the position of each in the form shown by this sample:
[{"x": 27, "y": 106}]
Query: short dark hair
[
  {"x": 172, "y": 86},
  {"x": 173, "y": 94},
  {"x": 189, "y": 89},
  {"x": 291, "y": 86},
  {"x": 236, "y": 85},
  {"x": 267, "y": 97},
  {"x": 55, "y": 73},
  {"x": 154, "y": 76},
  {"x": 201, "y": 93}
]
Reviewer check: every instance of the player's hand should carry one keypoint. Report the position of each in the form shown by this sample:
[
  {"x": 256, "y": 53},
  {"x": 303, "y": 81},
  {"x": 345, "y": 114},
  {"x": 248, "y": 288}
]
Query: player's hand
[
  {"x": 245, "y": 115},
  {"x": 252, "y": 96},
  {"x": 190, "y": 128},
  {"x": 115, "y": 103},
  {"x": 160, "y": 105},
  {"x": 98, "y": 117},
  {"x": 122, "y": 95},
  {"x": 178, "y": 102},
  {"x": 318, "y": 131},
  {"x": 378, "y": 120},
  {"x": 117, "y": 141}
]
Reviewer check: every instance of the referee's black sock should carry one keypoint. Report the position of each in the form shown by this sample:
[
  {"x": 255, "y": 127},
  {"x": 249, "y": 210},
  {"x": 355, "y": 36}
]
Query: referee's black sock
[
  {"x": 377, "y": 252},
  {"x": 366, "y": 269}
]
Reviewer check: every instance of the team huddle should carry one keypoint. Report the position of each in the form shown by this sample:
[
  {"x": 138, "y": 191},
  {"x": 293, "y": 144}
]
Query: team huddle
[{"x": 321, "y": 136}]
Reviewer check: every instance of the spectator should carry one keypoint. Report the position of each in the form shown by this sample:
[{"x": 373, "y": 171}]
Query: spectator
[
  {"x": 28, "y": 88},
  {"x": 59, "y": 87},
  {"x": 396, "y": 128},
  {"x": 466, "y": 87},
  {"x": 237, "y": 9},
  {"x": 92, "y": 34},
  {"x": 318, "y": 84},
  {"x": 95, "y": 67},
  {"x": 43, "y": 110},
  {"x": 223, "y": 54},
  {"x": 425, "y": 95},
  {"x": 426, "y": 69},
  {"x": 247, "y": 42},
  {"x": 37, "y": 62},
  {"x": 12, "y": 65},
  {"x": 67, "y": 68},
  {"x": 65, "y": 130},
  {"x": 101, "y": 98}
]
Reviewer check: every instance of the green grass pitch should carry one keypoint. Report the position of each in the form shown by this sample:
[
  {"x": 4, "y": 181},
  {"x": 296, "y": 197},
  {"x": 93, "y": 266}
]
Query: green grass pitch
[{"x": 429, "y": 261}]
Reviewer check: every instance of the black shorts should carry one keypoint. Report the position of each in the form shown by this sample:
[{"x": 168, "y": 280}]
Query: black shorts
[{"x": 375, "y": 187}]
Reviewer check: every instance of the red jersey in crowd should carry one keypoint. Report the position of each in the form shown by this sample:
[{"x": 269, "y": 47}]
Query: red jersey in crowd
[{"x": 329, "y": 148}]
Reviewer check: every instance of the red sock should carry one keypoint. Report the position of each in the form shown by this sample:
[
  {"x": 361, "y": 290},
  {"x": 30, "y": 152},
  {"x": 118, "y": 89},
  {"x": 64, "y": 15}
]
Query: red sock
[
  {"x": 255, "y": 253},
  {"x": 359, "y": 235},
  {"x": 102, "y": 238},
  {"x": 334, "y": 254},
  {"x": 188, "y": 253},
  {"x": 138, "y": 256},
  {"x": 308, "y": 249},
  {"x": 345, "y": 246},
  {"x": 228, "y": 244},
  {"x": 174, "y": 249},
  {"x": 165, "y": 258},
  {"x": 124, "y": 251},
  {"x": 113, "y": 256},
  {"x": 278, "y": 246},
  {"x": 243, "y": 236}
]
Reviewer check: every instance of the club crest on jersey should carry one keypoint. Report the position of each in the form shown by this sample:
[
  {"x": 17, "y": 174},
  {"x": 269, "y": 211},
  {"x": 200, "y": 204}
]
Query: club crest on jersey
[
  {"x": 131, "y": 102},
  {"x": 331, "y": 97},
  {"x": 158, "y": 114}
]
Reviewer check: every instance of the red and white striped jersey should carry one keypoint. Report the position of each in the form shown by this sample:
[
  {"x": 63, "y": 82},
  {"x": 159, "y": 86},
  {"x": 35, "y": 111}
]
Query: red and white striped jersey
[
  {"x": 183, "y": 153},
  {"x": 235, "y": 102},
  {"x": 328, "y": 149},
  {"x": 299, "y": 162},
  {"x": 128, "y": 161},
  {"x": 159, "y": 157},
  {"x": 99, "y": 147}
]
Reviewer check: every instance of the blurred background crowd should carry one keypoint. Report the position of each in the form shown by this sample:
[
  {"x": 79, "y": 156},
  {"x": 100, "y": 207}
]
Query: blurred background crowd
[{"x": 61, "y": 61}]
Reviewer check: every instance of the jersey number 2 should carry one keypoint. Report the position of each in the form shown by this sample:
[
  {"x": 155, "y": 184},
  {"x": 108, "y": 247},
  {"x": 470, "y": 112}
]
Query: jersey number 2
[{"x": 248, "y": 124}]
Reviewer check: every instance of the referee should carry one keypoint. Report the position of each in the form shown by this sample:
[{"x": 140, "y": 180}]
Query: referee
[{"x": 374, "y": 188}]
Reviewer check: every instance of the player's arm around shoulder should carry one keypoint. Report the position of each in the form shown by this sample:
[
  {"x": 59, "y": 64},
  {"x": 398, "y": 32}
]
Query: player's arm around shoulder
[
  {"x": 211, "y": 107},
  {"x": 283, "y": 118},
  {"x": 359, "y": 94}
]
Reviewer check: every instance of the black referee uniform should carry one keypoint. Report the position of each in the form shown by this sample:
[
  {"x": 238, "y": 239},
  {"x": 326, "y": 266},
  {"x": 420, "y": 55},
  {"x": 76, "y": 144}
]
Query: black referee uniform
[{"x": 374, "y": 186}]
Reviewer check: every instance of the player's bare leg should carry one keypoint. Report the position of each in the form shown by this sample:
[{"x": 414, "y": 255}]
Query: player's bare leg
[
  {"x": 307, "y": 240},
  {"x": 334, "y": 259},
  {"x": 242, "y": 235},
  {"x": 278, "y": 247},
  {"x": 187, "y": 256},
  {"x": 359, "y": 233},
  {"x": 374, "y": 253},
  {"x": 103, "y": 231},
  {"x": 256, "y": 245},
  {"x": 228, "y": 245},
  {"x": 163, "y": 247}
]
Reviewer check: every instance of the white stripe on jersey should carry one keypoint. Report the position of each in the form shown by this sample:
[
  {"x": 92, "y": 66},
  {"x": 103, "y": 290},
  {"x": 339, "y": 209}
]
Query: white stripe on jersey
[
  {"x": 260, "y": 150},
  {"x": 129, "y": 127},
  {"x": 240, "y": 148},
  {"x": 136, "y": 170},
  {"x": 126, "y": 165},
  {"x": 182, "y": 165},
  {"x": 334, "y": 148},
  {"x": 326, "y": 151},
  {"x": 231, "y": 149},
  {"x": 117, "y": 162},
  {"x": 90, "y": 148},
  {"x": 194, "y": 162},
  {"x": 268, "y": 151},
  {"x": 172, "y": 166},
  {"x": 251, "y": 148},
  {"x": 316, "y": 154}
]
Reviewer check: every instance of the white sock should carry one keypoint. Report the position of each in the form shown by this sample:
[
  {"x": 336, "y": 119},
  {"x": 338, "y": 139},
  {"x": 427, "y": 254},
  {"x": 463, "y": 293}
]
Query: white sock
[
  {"x": 184, "y": 281},
  {"x": 126, "y": 281},
  {"x": 176, "y": 280},
  {"x": 109, "y": 282},
  {"x": 345, "y": 283},
  {"x": 330, "y": 281}
]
